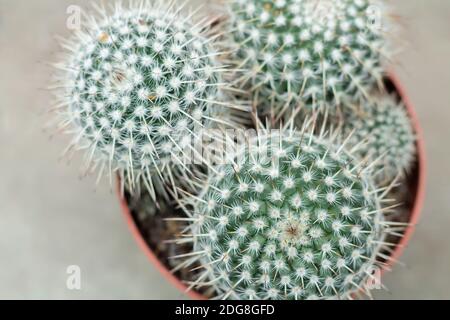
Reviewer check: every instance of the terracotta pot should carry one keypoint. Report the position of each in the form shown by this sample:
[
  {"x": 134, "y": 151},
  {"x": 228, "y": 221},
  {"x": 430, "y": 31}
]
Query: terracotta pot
[
  {"x": 165, "y": 272},
  {"x": 417, "y": 189}
]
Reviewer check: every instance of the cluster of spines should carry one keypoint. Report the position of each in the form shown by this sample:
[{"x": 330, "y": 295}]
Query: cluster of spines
[
  {"x": 298, "y": 218},
  {"x": 305, "y": 53},
  {"x": 138, "y": 84},
  {"x": 385, "y": 128}
]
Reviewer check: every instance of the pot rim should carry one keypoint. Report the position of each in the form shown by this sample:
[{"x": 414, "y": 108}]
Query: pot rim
[
  {"x": 421, "y": 169},
  {"x": 414, "y": 218}
]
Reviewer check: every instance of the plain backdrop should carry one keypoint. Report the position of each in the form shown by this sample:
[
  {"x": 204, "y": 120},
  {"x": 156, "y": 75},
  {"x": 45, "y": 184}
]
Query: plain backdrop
[{"x": 51, "y": 219}]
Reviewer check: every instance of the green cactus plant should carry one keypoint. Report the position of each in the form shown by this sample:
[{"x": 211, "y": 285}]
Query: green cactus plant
[
  {"x": 137, "y": 86},
  {"x": 297, "y": 217},
  {"x": 389, "y": 139},
  {"x": 308, "y": 53}
]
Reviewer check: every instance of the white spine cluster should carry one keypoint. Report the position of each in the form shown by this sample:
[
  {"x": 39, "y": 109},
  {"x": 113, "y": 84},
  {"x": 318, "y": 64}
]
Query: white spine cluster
[
  {"x": 138, "y": 84},
  {"x": 296, "y": 218},
  {"x": 386, "y": 128},
  {"x": 308, "y": 53}
]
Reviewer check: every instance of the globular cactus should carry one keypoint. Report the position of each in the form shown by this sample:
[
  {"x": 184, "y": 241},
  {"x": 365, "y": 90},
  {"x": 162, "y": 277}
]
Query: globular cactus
[
  {"x": 385, "y": 127},
  {"x": 297, "y": 217},
  {"x": 138, "y": 85},
  {"x": 308, "y": 53}
]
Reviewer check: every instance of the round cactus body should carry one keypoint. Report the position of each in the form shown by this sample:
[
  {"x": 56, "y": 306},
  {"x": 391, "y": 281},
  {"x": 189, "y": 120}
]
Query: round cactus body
[
  {"x": 137, "y": 85},
  {"x": 309, "y": 53},
  {"x": 295, "y": 218},
  {"x": 390, "y": 139}
]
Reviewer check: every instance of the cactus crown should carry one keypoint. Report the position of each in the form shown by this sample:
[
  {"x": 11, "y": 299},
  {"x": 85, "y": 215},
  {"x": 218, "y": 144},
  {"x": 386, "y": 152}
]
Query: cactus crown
[
  {"x": 296, "y": 218},
  {"x": 386, "y": 126},
  {"x": 308, "y": 52},
  {"x": 138, "y": 84}
]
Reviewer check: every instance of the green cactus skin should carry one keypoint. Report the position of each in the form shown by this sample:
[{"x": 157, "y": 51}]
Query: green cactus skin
[
  {"x": 308, "y": 53},
  {"x": 386, "y": 127},
  {"x": 296, "y": 218},
  {"x": 138, "y": 86}
]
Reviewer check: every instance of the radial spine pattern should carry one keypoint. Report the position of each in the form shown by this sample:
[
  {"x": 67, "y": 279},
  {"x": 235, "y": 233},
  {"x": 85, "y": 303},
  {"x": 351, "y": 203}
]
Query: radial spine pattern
[
  {"x": 308, "y": 53},
  {"x": 139, "y": 84},
  {"x": 295, "y": 218}
]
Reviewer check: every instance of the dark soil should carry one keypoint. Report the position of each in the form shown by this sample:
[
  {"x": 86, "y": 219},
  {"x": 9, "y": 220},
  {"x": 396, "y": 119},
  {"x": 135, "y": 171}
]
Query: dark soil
[{"x": 156, "y": 231}]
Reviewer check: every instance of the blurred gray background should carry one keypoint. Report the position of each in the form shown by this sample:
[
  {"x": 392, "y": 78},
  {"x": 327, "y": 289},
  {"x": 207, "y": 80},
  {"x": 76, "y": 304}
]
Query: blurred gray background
[{"x": 50, "y": 219}]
